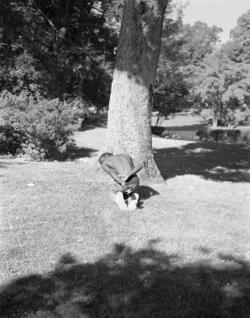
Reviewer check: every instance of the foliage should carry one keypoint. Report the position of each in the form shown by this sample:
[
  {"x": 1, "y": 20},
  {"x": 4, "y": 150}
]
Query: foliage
[
  {"x": 167, "y": 80},
  {"x": 221, "y": 83},
  {"x": 239, "y": 46},
  {"x": 66, "y": 49},
  {"x": 184, "y": 48},
  {"x": 61, "y": 48},
  {"x": 223, "y": 87},
  {"x": 10, "y": 139},
  {"x": 22, "y": 75},
  {"x": 50, "y": 51},
  {"x": 40, "y": 127},
  {"x": 197, "y": 41}
]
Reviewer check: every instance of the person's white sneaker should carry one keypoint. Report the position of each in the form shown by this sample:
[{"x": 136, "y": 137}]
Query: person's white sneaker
[
  {"x": 133, "y": 201},
  {"x": 119, "y": 199}
]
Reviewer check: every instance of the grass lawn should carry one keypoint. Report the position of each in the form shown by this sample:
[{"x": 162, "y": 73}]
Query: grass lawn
[{"x": 62, "y": 247}]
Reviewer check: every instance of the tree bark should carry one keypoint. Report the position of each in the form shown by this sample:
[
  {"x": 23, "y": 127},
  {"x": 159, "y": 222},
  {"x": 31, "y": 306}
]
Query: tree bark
[{"x": 129, "y": 116}]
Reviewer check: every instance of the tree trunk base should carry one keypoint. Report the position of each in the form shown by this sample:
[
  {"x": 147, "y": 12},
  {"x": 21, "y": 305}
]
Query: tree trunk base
[{"x": 151, "y": 173}]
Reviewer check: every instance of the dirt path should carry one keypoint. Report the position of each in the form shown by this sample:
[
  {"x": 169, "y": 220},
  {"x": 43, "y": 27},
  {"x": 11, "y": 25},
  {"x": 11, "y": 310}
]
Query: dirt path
[{"x": 94, "y": 139}]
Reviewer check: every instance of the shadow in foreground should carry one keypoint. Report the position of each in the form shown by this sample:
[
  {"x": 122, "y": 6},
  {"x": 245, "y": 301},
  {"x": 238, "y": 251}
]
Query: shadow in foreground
[
  {"x": 126, "y": 283},
  {"x": 215, "y": 161}
]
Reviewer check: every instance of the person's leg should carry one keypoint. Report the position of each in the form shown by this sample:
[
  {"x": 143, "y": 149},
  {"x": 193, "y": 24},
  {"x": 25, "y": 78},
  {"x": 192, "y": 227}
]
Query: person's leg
[
  {"x": 119, "y": 199},
  {"x": 133, "y": 199},
  {"x": 133, "y": 202}
]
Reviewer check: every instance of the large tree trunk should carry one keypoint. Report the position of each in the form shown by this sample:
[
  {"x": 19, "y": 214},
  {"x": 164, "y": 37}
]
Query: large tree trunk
[{"x": 129, "y": 117}]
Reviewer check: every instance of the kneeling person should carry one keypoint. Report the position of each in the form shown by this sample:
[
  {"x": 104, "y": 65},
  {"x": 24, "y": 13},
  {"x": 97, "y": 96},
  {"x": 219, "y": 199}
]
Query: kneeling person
[{"x": 122, "y": 169}]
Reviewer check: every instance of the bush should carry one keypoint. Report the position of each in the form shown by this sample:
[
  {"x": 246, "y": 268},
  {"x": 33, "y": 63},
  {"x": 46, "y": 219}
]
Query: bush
[
  {"x": 37, "y": 126},
  {"x": 10, "y": 140}
]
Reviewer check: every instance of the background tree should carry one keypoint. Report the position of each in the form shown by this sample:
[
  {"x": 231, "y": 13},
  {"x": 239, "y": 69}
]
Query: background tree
[
  {"x": 56, "y": 60},
  {"x": 222, "y": 81},
  {"x": 182, "y": 51},
  {"x": 61, "y": 48},
  {"x": 129, "y": 117},
  {"x": 224, "y": 89},
  {"x": 240, "y": 40},
  {"x": 198, "y": 40},
  {"x": 169, "y": 82}
]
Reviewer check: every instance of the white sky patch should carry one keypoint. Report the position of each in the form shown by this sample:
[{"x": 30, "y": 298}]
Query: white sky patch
[{"x": 222, "y": 13}]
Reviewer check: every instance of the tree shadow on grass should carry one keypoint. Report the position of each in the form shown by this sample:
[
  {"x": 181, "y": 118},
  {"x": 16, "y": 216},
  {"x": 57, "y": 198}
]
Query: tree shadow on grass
[
  {"x": 187, "y": 132},
  {"x": 145, "y": 192},
  {"x": 73, "y": 152},
  {"x": 7, "y": 164},
  {"x": 4, "y": 164},
  {"x": 97, "y": 121},
  {"x": 127, "y": 283},
  {"x": 215, "y": 161}
]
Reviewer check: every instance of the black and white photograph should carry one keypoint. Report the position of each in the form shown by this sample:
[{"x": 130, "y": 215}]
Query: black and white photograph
[{"x": 124, "y": 159}]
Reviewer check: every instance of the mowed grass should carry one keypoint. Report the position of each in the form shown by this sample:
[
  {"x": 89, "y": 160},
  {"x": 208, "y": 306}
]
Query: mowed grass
[
  {"x": 51, "y": 209},
  {"x": 60, "y": 213}
]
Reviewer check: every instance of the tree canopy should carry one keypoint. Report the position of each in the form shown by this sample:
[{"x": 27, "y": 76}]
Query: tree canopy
[
  {"x": 62, "y": 53},
  {"x": 222, "y": 82},
  {"x": 197, "y": 71},
  {"x": 183, "y": 49},
  {"x": 58, "y": 47}
]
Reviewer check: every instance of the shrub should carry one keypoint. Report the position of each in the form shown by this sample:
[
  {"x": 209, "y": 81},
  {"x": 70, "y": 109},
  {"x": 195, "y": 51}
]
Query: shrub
[
  {"x": 10, "y": 140},
  {"x": 42, "y": 127},
  {"x": 41, "y": 314}
]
